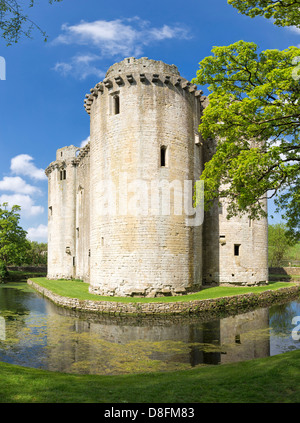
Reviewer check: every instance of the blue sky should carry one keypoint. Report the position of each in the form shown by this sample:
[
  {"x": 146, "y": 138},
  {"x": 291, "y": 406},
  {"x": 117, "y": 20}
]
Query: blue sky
[{"x": 41, "y": 99}]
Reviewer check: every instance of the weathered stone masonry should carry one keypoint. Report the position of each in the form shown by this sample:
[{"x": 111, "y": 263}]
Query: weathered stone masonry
[{"x": 144, "y": 120}]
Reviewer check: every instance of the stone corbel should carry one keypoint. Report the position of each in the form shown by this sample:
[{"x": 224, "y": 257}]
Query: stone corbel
[
  {"x": 119, "y": 80},
  {"x": 108, "y": 83},
  {"x": 142, "y": 77},
  {"x": 186, "y": 85},
  {"x": 94, "y": 92},
  {"x": 130, "y": 78}
]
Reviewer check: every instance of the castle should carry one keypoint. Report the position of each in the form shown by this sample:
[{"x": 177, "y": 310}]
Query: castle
[{"x": 121, "y": 213}]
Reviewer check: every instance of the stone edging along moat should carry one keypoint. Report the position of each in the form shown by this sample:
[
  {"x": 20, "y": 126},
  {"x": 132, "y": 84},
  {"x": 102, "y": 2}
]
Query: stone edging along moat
[{"x": 236, "y": 302}]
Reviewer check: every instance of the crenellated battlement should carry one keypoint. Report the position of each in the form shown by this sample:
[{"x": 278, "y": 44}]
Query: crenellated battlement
[
  {"x": 74, "y": 156},
  {"x": 133, "y": 71},
  {"x": 84, "y": 151}
]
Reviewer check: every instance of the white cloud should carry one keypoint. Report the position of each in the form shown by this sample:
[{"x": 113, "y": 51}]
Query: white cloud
[
  {"x": 84, "y": 142},
  {"x": 40, "y": 233},
  {"x": 17, "y": 185},
  {"x": 167, "y": 32},
  {"x": 28, "y": 208},
  {"x": 294, "y": 29},
  {"x": 80, "y": 66},
  {"x": 119, "y": 37},
  {"x": 63, "y": 68},
  {"x": 22, "y": 165}
]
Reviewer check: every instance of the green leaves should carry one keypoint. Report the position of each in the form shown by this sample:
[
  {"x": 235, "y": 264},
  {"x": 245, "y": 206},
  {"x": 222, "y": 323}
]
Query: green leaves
[
  {"x": 279, "y": 243},
  {"x": 13, "y": 242},
  {"x": 284, "y": 12},
  {"x": 14, "y": 23},
  {"x": 254, "y": 114}
]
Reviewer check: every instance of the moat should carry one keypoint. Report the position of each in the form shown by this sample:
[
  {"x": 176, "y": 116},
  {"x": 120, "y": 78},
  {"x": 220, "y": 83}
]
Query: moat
[{"x": 36, "y": 333}]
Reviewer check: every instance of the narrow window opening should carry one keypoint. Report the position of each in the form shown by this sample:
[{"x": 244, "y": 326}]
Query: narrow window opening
[
  {"x": 116, "y": 104},
  {"x": 102, "y": 241},
  {"x": 77, "y": 232},
  {"x": 237, "y": 339},
  {"x": 163, "y": 156},
  {"x": 237, "y": 249},
  {"x": 50, "y": 211},
  {"x": 222, "y": 236},
  {"x": 74, "y": 261},
  {"x": 63, "y": 175},
  {"x": 250, "y": 222}
]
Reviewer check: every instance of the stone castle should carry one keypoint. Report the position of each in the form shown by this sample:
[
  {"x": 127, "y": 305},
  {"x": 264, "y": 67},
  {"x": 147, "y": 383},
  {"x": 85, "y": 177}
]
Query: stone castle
[{"x": 121, "y": 213}]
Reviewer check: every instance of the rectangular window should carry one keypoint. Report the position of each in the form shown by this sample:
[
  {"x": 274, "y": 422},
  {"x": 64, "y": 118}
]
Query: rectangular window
[
  {"x": 63, "y": 175},
  {"x": 116, "y": 104},
  {"x": 237, "y": 249},
  {"x": 163, "y": 156}
]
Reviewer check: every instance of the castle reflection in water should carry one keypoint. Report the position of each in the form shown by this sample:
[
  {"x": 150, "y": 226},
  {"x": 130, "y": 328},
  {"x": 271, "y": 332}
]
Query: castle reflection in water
[{"x": 113, "y": 345}]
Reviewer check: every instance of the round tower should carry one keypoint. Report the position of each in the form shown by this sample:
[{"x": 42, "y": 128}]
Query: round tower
[{"x": 145, "y": 156}]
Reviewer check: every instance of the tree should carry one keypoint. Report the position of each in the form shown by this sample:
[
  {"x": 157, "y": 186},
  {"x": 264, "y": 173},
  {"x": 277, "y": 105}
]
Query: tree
[
  {"x": 14, "y": 22},
  {"x": 37, "y": 254},
  {"x": 13, "y": 242},
  {"x": 279, "y": 243},
  {"x": 254, "y": 114},
  {"x": 284, "y": 12},
  {"x": 3, "y": 272}
]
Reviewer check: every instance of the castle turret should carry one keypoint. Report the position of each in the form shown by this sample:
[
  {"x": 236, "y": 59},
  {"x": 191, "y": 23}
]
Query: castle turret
[
  {"x": 144, "y": 126},
  {"x": 61, "y": 214}
]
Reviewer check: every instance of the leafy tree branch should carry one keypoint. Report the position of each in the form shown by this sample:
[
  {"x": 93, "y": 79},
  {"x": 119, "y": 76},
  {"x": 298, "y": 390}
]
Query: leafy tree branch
[
  {"x": 253, "y": 114},
  {"x": 15, "y": 22},
  {"x": 284, "y": 12}
]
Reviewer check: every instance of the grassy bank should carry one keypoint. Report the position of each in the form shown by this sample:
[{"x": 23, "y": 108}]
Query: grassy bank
[
  {"x": 267, "y": 380},
  {"x": 79, "y": 289}
]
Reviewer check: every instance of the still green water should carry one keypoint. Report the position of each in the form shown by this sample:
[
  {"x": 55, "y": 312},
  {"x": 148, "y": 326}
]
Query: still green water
[{"x": 36, "y": 333}]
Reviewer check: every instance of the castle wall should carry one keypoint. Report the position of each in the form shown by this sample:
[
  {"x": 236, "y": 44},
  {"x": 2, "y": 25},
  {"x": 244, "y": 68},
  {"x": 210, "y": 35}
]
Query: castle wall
[
  {"x": 82, "y": 232},
  {"x": 61, "y": 214},
  {"x": 235, "y": 251},
  {"x": 136, "y": 248}
]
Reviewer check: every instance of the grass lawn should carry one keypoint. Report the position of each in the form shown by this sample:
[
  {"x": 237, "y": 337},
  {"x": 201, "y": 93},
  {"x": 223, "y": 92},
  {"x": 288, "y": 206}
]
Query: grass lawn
[
  {"x": 266, "y": 380},
  {"x": 79, "y": 289}
]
